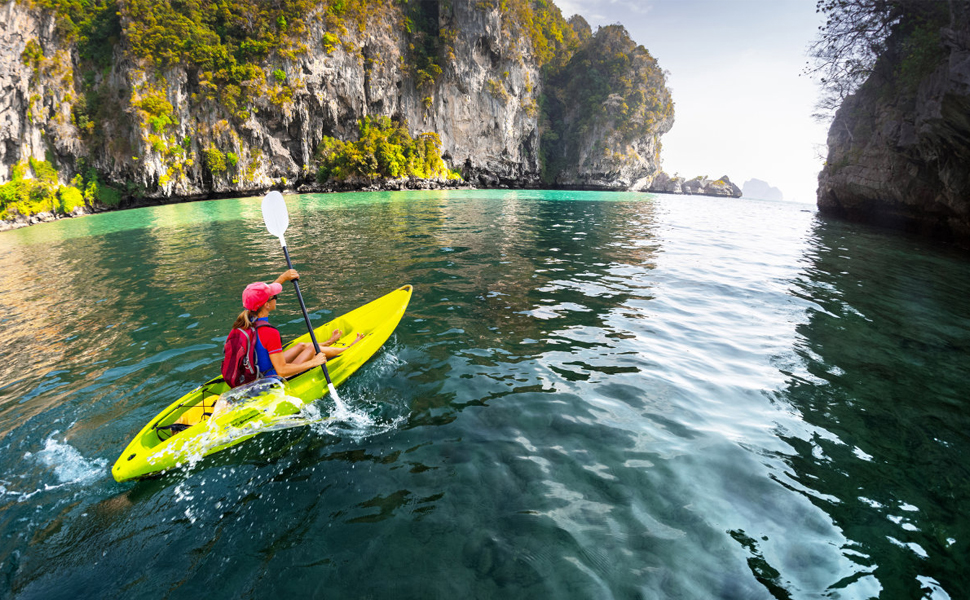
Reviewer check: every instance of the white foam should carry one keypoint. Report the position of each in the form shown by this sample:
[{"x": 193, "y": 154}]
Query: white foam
[
  {"x": 68, "y": 464},
  {"x": 354, "y": 420}
]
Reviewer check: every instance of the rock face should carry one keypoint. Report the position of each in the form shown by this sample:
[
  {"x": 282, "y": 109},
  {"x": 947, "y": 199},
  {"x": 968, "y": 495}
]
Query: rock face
[
  {"x": 609, "y": 106},
  {"x": 490, "y": 135},
  {"x": 156, "y": 130},
  {"x": 34, "y": 94},
  {"x": 902, "y": 159},
  {"x": 756, "y": 188},
  {"x": 665, "y": 184}
]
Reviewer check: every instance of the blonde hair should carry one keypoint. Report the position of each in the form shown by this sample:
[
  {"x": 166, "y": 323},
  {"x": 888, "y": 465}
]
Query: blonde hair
[{"x": 245, "y": 319}]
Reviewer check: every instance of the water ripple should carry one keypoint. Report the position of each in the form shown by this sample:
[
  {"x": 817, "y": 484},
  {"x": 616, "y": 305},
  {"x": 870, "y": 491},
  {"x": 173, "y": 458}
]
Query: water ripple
[{"x": 591, "y": 395}]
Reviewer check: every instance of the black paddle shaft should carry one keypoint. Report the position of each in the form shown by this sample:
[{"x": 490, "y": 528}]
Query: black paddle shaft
[{"x": 306, "y": 317}]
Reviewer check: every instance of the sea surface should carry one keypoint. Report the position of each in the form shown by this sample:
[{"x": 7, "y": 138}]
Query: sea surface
[{"x": 591, "y": 395}]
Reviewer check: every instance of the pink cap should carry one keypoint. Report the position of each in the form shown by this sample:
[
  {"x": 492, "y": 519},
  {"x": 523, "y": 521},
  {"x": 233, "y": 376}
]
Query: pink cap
[{"x": 257, "y": 294}]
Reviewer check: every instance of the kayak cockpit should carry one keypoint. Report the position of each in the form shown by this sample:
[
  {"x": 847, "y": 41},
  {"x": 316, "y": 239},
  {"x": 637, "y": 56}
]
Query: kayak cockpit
[{"x": 191, "y": 409}]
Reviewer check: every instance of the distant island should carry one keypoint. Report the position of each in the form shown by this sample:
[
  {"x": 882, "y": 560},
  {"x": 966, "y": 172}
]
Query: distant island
[
  {"x": 700, "y": 185},
  {"x": 756, "y": 188}
]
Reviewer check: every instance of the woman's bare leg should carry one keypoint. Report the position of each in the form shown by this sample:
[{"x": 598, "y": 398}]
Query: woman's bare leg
[
  {"x": 301, "y": 352},
  {"x": 334, "y": 351}
]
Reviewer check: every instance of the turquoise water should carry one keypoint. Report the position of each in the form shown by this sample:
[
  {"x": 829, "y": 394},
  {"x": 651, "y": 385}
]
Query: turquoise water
[{"x": 590, "y": 396}]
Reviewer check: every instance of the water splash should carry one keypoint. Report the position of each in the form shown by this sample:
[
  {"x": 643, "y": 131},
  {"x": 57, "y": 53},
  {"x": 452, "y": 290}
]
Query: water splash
[
  {"x": 358, "y": 418},
  {"x": 68, "y": 464}
]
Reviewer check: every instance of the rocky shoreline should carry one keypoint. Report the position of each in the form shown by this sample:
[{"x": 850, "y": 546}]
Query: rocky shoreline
[
  {"x": 899, "y": 160},
  {"x": 702, "y": 186},
  {"x": 697, "y": 186}
]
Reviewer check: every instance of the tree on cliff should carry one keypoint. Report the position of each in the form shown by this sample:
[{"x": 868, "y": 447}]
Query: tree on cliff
[{"x": 857, "y": 33}]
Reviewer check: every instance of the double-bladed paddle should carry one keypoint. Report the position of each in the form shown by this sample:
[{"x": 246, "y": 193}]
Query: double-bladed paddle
[{"x": 277, "y": 220}]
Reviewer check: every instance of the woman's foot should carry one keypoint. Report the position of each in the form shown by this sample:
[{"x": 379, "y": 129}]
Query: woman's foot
[
  {"x": 337, "y": 334},
  {"x": 359, "y": 337}
]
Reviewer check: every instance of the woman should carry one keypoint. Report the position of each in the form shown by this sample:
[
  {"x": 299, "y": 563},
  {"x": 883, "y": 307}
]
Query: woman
[{"x": 259, "y": 299}]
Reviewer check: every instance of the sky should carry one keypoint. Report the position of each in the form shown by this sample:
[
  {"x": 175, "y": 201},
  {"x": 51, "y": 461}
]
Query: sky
[{"x": 742, "y": 107}]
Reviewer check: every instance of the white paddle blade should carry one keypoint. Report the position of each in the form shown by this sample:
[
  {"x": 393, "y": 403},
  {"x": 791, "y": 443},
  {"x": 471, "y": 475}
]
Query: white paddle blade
[{"x": 275, "y": 215}]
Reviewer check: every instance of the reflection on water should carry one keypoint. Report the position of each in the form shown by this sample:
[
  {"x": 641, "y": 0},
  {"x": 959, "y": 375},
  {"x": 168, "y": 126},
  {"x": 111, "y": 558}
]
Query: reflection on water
[
  {"x": 886, "y": 352},
  {"x": 591, "y": 395}
]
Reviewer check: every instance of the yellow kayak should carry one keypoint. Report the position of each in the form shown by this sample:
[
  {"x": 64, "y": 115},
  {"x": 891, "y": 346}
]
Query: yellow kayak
[{"x": 259, "y": 406}]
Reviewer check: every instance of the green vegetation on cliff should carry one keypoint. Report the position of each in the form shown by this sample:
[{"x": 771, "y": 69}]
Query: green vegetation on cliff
[
  {"x": 92, "y": 24},
  {"x": 609, "y": 83},
  {"x": 34, "y": 188},
  {"x": 384, "y": 150}
]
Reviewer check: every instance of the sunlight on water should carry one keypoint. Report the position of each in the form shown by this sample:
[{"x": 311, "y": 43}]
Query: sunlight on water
[{"x": 590, "y": 395}]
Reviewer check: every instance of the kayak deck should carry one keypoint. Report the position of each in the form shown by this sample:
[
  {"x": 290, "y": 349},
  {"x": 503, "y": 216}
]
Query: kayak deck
[{"x": 155, "y": 449}]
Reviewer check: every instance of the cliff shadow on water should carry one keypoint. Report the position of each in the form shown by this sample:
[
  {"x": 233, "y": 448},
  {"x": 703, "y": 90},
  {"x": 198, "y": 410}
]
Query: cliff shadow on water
[{"x": 887, "y": 352}]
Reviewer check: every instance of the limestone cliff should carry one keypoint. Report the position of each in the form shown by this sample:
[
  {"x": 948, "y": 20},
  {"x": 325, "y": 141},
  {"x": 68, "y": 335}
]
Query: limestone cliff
[
  {"x": 899, "y": 149},
  {"x": 138, "y": 100},
  {"x": 608, "y": 107},
  {"x": 320, "y": 92}
]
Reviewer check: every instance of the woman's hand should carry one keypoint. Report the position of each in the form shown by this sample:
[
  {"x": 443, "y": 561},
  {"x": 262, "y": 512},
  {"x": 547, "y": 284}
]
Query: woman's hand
[{"x": 288, "y": 275}]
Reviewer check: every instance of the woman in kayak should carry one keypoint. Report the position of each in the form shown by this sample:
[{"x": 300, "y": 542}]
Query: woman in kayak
[{"x": 259, "y": 299}]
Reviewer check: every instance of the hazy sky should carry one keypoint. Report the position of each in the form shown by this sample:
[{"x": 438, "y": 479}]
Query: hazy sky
[{"x": 740, "y": 107}]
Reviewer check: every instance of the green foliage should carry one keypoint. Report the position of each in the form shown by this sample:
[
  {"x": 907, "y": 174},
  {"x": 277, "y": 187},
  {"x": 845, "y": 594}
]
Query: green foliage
[
  {"x": 330, "y": 42},
  {"x": 44, "y": 171},
  {"x": 222, "y": 41},
  {"x": 107, "y": 195},
  {"x": 95, "y": 190},
  {"x": 93, "y": 24},
  {"x": 889, "y": 43},
  {"x": 384, "y": 150},
  {"x": 32, "y": 56},
  {"x": 279, "y": 75},
  {"x": 69, "y": 198},
  {"x": 497, "y": 90},
  {"x": 610, "y": 82},
  {"x": 552, "y": 38},
  {"x": 422, "y": 27},
  {"x": 922, "y": 52},
  {"x": 41, "y": 191},
  {"x": 18, "y": 171},
  {"x": 29, "y": 195},
  {"x": 215, "y": 160},
  {"x": 156, "y": 109}
]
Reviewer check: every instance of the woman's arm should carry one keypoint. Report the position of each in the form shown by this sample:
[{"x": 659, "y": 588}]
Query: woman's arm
[
  {"x": 285, "y": 369},
  {"x": 288, "y": 275}
]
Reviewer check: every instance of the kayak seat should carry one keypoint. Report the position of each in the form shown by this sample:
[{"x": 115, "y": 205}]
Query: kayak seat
[{"x": 170, "y": 430}]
